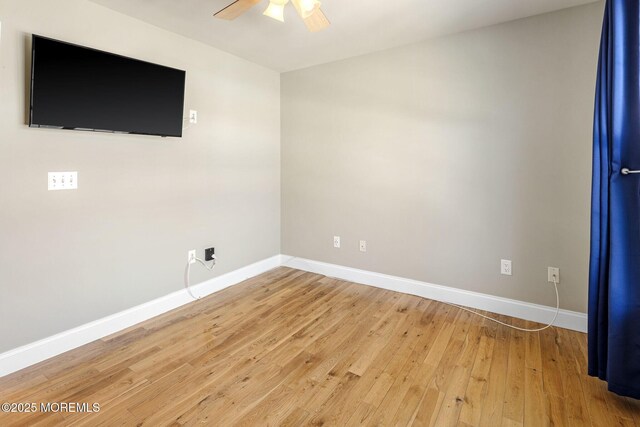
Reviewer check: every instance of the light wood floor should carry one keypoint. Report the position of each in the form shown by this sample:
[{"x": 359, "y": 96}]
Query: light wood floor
[{"x": 294, "y": 348}]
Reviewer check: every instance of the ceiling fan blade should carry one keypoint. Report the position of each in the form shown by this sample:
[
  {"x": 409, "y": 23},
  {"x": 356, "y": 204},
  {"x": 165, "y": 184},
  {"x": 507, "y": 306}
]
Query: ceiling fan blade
[
  {"x": 315, "y": 22},
  {"x": 235, "y": 9}
]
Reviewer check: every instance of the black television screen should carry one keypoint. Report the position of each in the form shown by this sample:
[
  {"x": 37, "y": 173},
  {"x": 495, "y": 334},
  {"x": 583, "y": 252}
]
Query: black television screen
[{"x": 74, "y": 87}]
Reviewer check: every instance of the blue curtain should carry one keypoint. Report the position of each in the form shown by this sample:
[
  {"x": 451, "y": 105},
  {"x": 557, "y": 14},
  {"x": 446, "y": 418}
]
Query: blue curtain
[{"x": 614, "y": 282}]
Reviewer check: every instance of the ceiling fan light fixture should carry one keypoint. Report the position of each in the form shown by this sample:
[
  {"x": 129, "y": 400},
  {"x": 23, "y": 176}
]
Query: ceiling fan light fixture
[
  {"x": 308, "y": 7},
  {"x": 275, "y": 9},
  {"x": 308, "y": 10}
]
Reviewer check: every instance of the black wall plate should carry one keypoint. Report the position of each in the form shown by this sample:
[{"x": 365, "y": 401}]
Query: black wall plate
[{"x": 209, "y": 253}]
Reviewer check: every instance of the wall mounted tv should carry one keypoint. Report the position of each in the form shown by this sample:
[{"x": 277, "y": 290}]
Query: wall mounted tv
[{"x": 78, "y": 88}]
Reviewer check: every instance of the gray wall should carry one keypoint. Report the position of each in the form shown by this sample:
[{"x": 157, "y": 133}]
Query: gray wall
[
  {"x": 448, "y": 155},
  {"x": 121, "y": 239}
]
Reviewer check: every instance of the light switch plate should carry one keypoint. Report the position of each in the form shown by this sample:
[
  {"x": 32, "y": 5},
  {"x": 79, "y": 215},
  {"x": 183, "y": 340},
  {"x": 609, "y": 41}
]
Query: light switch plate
[{"x": 63, "y": 181}]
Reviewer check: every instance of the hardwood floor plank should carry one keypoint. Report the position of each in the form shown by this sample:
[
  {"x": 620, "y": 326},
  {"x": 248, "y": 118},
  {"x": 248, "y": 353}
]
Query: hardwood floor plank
[
  {"x": 535, "y": 410},
  {"x": 551, "y": 370},
  {"x": 556, "y": 411},
  {"x": 477, "y": 387},
  {"x": 459, "y": 379},
  {"x": 576, "y": 406},
  {"x": 394, "y": 397},
  {"x": 514, "y": 393},
  {"x": 426, "y": 412},
  {"x": 494, "y": 402},
  {"x": 296, "y": 417}
]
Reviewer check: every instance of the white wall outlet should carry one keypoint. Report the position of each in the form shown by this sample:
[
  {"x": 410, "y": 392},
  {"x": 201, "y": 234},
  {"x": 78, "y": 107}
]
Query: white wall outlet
[
  {"x": 553, "y": 271},
  {"x": 191, "y": 256},
  {"x": 193, "y": 117},
  {"x": 336, "y": 241},
  {"x": 505, "y": 267},
  {"x": 363, "y": 246},
  {"x": 62, "y": 181}
]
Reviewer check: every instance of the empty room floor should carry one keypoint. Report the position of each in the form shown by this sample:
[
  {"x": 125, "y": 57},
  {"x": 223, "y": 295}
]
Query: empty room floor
[{"x": 295, "y": 348}]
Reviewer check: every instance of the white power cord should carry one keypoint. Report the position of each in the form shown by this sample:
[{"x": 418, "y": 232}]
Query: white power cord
[
  {"x": 187, "y": 271},
  {"x": 555, "y": 285}
]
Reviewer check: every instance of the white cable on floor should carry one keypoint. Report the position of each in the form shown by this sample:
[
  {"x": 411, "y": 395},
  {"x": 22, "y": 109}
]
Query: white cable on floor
[
  {"x": 187, "y": 271},
  {"x": 555, "y": 284}
]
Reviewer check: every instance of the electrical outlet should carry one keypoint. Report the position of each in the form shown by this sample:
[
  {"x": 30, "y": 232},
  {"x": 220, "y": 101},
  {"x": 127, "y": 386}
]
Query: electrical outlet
[
  {"x": 193, "y": 117},
  {"x": 553, "y": 271},
  {"x": 191, "y": 256},
  {"x": 209, "y": 254},
  {"x": 363, "y": 246},
  {"x": 336, "y": 241},
  {"x": 62, "y": 181},
  {"x": 505, "y": 267}
]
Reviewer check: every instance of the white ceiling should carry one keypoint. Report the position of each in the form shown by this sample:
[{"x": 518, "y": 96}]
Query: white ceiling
[{"x": 358, "y": 26}]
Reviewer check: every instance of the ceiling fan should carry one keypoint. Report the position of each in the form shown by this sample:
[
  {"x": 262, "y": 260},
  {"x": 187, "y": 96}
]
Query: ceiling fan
[{"x": 309, "y": 11}]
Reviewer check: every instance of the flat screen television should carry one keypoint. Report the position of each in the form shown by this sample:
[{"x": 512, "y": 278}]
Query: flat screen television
[{"x": 78, "y": 88}]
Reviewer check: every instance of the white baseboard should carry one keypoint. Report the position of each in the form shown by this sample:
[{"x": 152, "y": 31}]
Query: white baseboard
[
  {"x": 30, "y": 354},
  {"x": 523, "y": 310}
]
